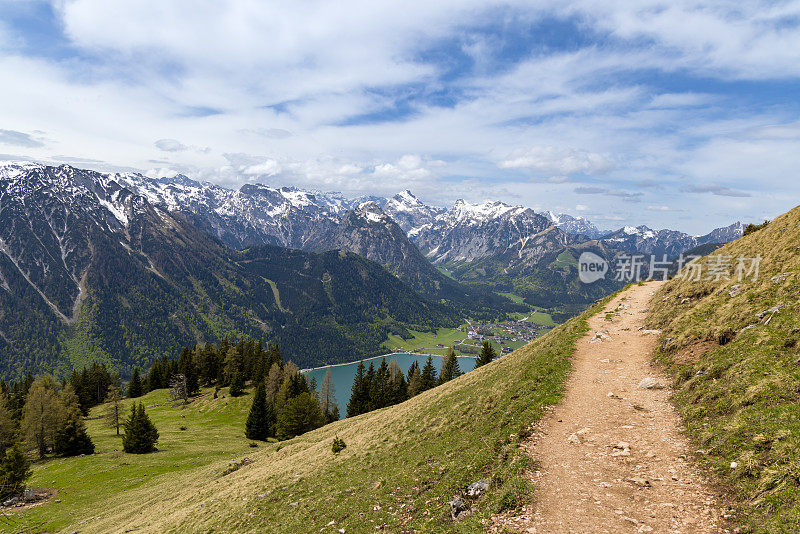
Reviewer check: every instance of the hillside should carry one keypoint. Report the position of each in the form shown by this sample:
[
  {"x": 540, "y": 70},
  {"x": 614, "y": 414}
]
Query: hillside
[
  {"x": 733, "y": 349},
  {"x": 401, "y": 465},
  {"x": 552, "y": 282}
]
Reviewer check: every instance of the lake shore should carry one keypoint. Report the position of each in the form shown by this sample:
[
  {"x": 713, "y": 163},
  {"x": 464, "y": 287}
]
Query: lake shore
[{"x": 379, "y": 357}]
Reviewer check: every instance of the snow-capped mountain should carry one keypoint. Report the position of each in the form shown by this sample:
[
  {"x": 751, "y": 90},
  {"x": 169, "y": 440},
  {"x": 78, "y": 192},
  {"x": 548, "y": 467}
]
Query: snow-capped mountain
[
  {"x": 725, "y": 234},
  {"x": 468, "y": 232},
  {"x": 312, "y": 220},
  {"x": 574, "y": 225},
  {"x": 672, "y": 243},
  {"x": 411, "y": 213},
  {"x": 369, "y": 232},
  {"x": 253, "y": 215},
  {"x": 92, "y": 271}
]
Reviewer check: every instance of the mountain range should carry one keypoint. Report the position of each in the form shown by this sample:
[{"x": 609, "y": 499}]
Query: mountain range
[
  {"x": 124, "y": 268},
  {"x": 91, "y": 270},
  {"x": 313, "y": 220}
]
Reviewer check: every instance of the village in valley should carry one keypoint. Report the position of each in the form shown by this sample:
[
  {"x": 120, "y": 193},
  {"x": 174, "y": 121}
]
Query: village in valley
[{"x": 505, "y": 336}]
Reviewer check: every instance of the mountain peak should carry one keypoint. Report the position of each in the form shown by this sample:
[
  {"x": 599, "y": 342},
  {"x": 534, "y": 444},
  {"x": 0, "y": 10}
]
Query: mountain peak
[{"x": 371, "y": 211}]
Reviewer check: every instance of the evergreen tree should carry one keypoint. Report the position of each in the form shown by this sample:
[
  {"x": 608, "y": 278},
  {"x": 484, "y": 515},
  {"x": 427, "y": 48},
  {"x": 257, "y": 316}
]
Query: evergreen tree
[
  {"x": 14, "y": 470},
  {"x": 274, "y": 381},
  {"x": 42, "y": 415},
  {"x": 208, "y": 363},
  {"x": 261, "y": 419},
  {"x": 237, "y": 385},
  {"x": 233, "y": 364},
  {"x": 140, "y": 433},
  {"x": 379, "y": 391},
  {"x": 188, "y": 368},
  {"x": 414, "y": 381},
  {"x": 135, "y": 386},
  {"x": 8, "y": 426},
  {"x": 398, "y": 388},
  {"x": 113, "y": 411},
  {"x": 487, "y": 354},
  {"x": 327, "y": 398},
  {"x": 299, "y": 415},
  {"x": 158, "y": 377},
  {"x": 450, "y": 368},
  {"x": 428, "y": 379},
  {"x": 359, "y": 395},
  {"x": 72, "y": 440}
]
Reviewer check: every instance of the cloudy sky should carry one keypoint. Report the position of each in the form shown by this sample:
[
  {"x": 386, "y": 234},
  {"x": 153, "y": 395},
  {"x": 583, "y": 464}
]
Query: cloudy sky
[{"x": 674, "y": 114}]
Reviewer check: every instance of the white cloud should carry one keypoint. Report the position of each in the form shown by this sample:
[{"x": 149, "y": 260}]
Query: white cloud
[
  {"x": 557, "y": 160},
  {"x": 13, "y": 137},
  {"x": 269, "y": 167},
  {"x": 170, "y": 145}
]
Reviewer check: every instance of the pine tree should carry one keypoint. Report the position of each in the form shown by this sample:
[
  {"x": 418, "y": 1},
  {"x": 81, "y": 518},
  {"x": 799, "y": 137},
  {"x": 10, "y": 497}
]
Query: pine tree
[
  {"x": 261, "y": 419},
  {"x": 8, "y": 427},
  {"x": 294, "y": 383},
  {"x": 135, "y": 387},
  {"x": 299, "y": 415},
  {"x": 274, "y": 380},
  {"x": 42, "y": 415},
  {"x": 188, "y": 368},
  {"x": 414, "y": 381},
  {"x": 379, "y": 390},
  {"x": 327, "y": 398},
  {"x": 487, "y": 354},
  {"x": 450, "y": 368},
  {"x": 233, "y": 364},
  {"x": 371, "y": 387},
  {"x": 14, "y": 470},
  {"x": 140, "y": 433},
  {"x": 428, "y": 380},
  {"x": 237, "y": 384},
  {"x": 113, "y": 410},
  {"x": 71, "y": 438},
  {"x": 398, "y": 388},
  {"x": 359, "y": 395}
]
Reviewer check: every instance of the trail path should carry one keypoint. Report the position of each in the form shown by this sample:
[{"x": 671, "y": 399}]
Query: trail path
[{"x": 587, "y": 479}]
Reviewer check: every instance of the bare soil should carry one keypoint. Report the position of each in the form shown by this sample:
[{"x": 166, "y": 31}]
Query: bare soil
[{"x": 612, "y": 457}]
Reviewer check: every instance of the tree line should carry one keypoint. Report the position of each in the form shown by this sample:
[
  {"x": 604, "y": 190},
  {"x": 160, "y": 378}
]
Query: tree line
[
  {"x": 285, "y": 404},
  {"x": 374, "y": 388}
]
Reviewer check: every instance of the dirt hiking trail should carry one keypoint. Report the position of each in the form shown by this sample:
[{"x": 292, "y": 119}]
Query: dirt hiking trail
[{"x": 612, "y": 456}]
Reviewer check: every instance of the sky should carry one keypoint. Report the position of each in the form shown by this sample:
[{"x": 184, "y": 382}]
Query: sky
[{"x": 682, "y": 115}]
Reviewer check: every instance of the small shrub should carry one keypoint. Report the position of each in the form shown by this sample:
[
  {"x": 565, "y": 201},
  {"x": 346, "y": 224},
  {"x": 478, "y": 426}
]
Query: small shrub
[
  {"x": 235, "y": 466},
  {"x": 515, "y": 494},
  {"x": 751, "y": 228},
  {"x": 338, "y": 445},
  {"x": 253, "y": 444}
]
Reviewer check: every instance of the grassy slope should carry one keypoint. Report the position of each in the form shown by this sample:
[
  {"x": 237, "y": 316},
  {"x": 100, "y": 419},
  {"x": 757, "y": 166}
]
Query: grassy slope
[
  {"x": 401, "y": 465},
  {"x": 741, "y": 400},
  {"x": 427, "y": 340},
  {"x": 214, "y": 433}
]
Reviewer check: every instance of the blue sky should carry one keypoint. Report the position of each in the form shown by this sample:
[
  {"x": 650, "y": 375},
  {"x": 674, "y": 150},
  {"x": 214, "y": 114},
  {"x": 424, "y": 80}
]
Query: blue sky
[{"x": 673, "y": 114}]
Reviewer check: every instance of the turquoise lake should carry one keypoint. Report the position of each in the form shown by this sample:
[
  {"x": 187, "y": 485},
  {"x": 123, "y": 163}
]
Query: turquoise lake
[{"x": 344, "y": 374}]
